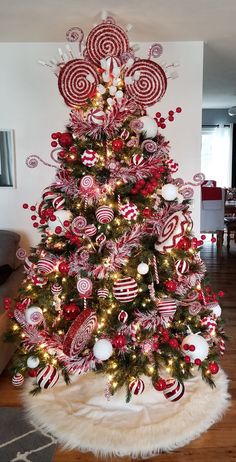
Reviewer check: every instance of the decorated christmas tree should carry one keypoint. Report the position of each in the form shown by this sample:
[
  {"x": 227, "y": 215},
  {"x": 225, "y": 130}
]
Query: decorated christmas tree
[{"x": 116, "y": 285}]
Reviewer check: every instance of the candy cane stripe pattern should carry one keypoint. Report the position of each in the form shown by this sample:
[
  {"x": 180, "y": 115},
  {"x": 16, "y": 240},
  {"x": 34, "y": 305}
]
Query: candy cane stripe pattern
[
  {"x": 104, "y": 214},
  {"x": 136, "y": 386},
  {"x": 47, "y": 377},
  {"x": 73, "y": 82},
  {"x": 125, "y": 290},
  {"x": 182, "y": 266},
  {"x": 174, "y": 390},
  {"x": 96, "y": 116},
  {"x": 90, "y": 230},
  {"x": 17, "y": 380},
  {"x": 151, "y": 85},
  {"x": 103, "y": 293},
  {"x": 104, "y": 40},
  {"x": 89, "y": 158},
  {"x": 84, "y": 287},
  {"x": 46, "y": 264},
  {"x": 80, "y": 333}
]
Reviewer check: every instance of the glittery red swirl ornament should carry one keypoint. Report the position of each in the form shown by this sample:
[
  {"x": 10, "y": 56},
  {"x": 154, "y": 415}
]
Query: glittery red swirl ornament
[
  {"x": 80, "y": 333},
  {"x": 149, "y": 82},
  {"x": 136, "y": 386},
  {"x": 77, "y": 80},
  {"x": 174, "y": 228},
  {"x": 104, "y": 40}
]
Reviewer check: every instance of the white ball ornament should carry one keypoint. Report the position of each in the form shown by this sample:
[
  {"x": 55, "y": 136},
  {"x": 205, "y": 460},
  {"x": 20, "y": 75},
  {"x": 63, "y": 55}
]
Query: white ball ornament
[
  {"x": 143, "y": 268},
  {"x": 102, "y": 349},
  {"x": 34, "y": 315},
  {"x": 215, "y": 308},
  {"x": 61, "y": 217},
  {"x": 195, "y": 346},
  {"x": 149, "y": 129},
  {"x": 169, "y": 192},
  {"x": 32, "y": 362}
]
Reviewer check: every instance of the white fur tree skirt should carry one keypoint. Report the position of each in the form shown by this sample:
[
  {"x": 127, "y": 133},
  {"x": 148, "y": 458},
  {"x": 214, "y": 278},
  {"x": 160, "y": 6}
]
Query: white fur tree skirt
[{"x": 81, "y": 417}]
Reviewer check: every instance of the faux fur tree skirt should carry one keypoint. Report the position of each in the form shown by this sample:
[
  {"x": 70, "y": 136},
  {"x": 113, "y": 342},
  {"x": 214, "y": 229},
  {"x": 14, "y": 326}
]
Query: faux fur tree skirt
[{"x": 82, "y": 418}]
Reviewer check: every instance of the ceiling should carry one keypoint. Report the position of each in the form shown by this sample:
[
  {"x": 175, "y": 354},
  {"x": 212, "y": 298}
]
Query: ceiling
[{"x": 211, "y": 21}]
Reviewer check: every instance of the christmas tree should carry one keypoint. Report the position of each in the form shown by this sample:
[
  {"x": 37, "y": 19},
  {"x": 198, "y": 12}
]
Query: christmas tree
[{"x": 116, "y": 285}]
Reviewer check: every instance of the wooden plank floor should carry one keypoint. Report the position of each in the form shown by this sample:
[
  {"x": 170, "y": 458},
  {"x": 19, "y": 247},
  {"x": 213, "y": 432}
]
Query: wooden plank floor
[{"x": 218, "y": 443}]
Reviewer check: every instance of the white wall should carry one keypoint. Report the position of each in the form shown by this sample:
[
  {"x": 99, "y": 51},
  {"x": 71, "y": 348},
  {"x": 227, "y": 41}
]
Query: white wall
[{"x": 33, "y": 107}]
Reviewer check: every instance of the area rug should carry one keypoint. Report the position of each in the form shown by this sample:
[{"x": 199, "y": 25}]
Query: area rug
[
  {"x": 82, "y": 418},
  {"x": 22, "y": 440}
]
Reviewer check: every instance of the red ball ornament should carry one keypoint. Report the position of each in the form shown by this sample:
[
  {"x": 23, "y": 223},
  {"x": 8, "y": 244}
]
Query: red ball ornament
[
  {"x": 63, "y": 267},
  {"x": 71, "y": 311},
  {"x": 54, "y": 144},
  {"x": 213, "y": 367},
  {"x": 119, "y": 341},
  {"x": 117, "y": 145},
  {"x": 65, "y": 140},
  {"x": 173, "y": 342},
  {"x": 160, "y": 385},
  {"x": 25, "y": 206},
  {"x": 33, "y": 372},
  {"x": 184, "y": 243},
  {"x": 171, "y": 286},
  {"x": 198, "y": 362},
  {"x": 136, "y": 386},
  {"x": 178, "y": 109}
]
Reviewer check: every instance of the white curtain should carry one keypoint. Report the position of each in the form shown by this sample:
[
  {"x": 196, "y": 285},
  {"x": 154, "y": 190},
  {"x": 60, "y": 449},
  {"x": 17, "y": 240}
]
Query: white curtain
[{"x": 216, "y": 156}]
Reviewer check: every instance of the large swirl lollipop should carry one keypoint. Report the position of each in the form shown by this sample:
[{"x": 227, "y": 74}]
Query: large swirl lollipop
[
  {"x": 80, "y": 333},
  {"x": 77, "y": 81},
  {"x": 149, "y": 82},
  {"x": 104, "y": 40}
]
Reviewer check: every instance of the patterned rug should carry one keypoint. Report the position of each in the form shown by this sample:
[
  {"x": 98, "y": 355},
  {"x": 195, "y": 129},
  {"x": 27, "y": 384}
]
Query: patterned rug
[{"x": 23, "y": 441}]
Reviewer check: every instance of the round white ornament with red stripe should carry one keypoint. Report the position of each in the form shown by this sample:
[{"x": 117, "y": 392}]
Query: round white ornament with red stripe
[
  {"x": 58, "y": 202},
  {"x": 123, "y": 316},
  {"x": 137, "y": 159},
  {"x": 47, "y": 377},
  {"x": 96, "y": 117},
  {"x": 34, "y": 315},
  {"x": 215, "y": 308},
  {"x": 46, "y": 264},
  {"x": 17, "y": 380},
  {"x": 182, "y": 266},
  {"x": 129, "y": 211},
  {"x": 210, "y": 324},
  {"x": 174, "y": 390},
  {"x": 136, "y": 386},
  {"x": 56, "y": 289},
  {"x": 125, "y": 290},
  {"x": 104, "y": 214},
  {"x": 167, "y": 308},
  {"x": 103, "y": 293},
  {"x": 90, "y": 230},
  {"x": 89, "y": 157}
]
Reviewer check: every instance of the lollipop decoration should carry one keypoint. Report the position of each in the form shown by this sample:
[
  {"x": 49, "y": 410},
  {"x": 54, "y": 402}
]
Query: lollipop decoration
[
  {"x": 75, "y": 34},
  {"x": 79, "y": 333},
  {"x": 84, "y": 287},
  {"x": 77, "y": 81},
  {"x": 106, "y": 39},
  {"x": 146, "y": 82}
]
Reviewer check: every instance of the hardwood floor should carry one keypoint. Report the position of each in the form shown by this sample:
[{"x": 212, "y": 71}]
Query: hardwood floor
[{"x": 219, "y": 442}]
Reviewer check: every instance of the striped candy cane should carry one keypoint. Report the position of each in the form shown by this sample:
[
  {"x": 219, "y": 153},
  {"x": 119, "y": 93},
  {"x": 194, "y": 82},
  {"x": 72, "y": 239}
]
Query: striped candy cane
[{"x": 154, "y": 260}]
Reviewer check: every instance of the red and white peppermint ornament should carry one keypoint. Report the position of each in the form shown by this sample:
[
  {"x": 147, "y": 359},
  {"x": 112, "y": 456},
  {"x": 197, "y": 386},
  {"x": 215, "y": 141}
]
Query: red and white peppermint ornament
[
  {"x": 47, "y": 377},
  {"x": 103, "y": 293},
  {"x": 167, "y": 308},
  {"x": 125, "y": 290},
  {"x": 90, "y": 230},
  {"x": 84, "y": 287},
  {"x": 210, "y": 323},
  {"x": 129, "y": 211},
  {"x": 148, "y": 83},
  {"x": 174, "y": 390},
  {"x": 137, "y": 159},
  {"x": 58, "y": 202},
  {"x": 34, "y": 315},
  {"x": 101, "y": 238},
  {"x": 106, "y": 39},
  {"x": 182, "y": 266},
  {"x": 46, "y": 265},
  {"x": 123, "y": 316},
  {"x": 28, "y": 265},
  {"x": 136, "y": 386},
  {"x": 17, "y": 380},
  {"x": 78, "y": 224},
  {"x": 56, "y": 289},
  {"x": 174, "y": 228},
  {"x": 124, "y": 134},
  {"x": 104, "y": 214},
  {"x": 80, "y": 333},
  {"x": 96, "y": 116},
  {"x": 87, "y": 182},
  {"x": 78, "y": 79},
  {"x": 89, "y": 158},
  {"x": 49, "y": 195}
]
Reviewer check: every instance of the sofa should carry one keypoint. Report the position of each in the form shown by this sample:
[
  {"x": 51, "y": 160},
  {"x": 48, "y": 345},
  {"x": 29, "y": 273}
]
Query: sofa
[{"x": 11, "y": 276}]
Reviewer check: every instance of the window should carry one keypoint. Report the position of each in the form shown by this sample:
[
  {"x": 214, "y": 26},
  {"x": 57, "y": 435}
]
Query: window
[{"x": 216, "y": 156}]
